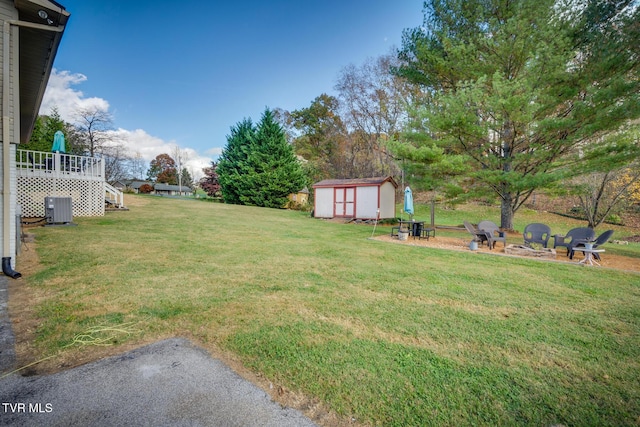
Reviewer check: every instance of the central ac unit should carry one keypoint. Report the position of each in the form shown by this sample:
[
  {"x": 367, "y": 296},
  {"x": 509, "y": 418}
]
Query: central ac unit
[{"x": 58, "y": 210}]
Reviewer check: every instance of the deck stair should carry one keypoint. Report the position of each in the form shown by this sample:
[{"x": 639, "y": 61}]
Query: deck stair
[{"x": 113, "y": 198}]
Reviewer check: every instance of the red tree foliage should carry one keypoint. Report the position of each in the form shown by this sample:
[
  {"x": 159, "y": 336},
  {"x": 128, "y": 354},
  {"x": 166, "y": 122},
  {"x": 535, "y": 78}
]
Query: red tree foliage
[{"x": 145, "y": 189}]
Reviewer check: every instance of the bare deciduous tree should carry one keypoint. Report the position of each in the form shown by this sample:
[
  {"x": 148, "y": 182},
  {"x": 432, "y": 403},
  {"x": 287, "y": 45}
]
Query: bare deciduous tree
[
  {"x": 137, "y": 166},
  {"x": 94, "y": 124},
  {"x": 116, "y": 159},
  {"x": 181, "y": 157},
  {"x": 605, "y": 193},
  {"x": 373, "y": 102}
]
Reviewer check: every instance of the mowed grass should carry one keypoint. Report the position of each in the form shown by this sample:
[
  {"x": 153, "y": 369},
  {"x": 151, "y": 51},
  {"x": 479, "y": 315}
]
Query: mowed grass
[{"x": 383, "y": 333}]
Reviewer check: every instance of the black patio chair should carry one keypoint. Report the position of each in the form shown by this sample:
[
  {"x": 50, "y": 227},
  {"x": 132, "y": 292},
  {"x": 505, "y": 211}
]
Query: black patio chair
[
  {"x": 601, "y": 240},
  {"x": 573, "y": 238},
  {"x": 494, "y": 233},
  {"x": 537, "y": 233}
]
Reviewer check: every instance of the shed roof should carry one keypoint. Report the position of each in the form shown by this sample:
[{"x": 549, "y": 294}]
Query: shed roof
[{"x": 354, "y": 182}]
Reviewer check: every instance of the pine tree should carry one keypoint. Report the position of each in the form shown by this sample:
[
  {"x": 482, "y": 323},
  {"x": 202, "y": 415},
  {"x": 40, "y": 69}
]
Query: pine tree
[
  {"x": 258, "y": 166},
  {"x": 512, "y": 89},
  {"x": 44, "y": 130},
  {"x": 232, "y": 165}
]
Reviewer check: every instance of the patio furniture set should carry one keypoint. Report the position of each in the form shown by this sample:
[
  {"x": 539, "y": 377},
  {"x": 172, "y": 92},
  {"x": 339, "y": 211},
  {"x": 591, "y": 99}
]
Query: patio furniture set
[
  {"x": 413, "y": 228},
  {"x": 581, "y": 239}
]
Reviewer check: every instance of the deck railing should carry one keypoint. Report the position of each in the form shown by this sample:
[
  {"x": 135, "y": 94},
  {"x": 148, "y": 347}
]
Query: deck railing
[
  {"x": 44, "y": 174},
  {"x": 59, "y": 165}
]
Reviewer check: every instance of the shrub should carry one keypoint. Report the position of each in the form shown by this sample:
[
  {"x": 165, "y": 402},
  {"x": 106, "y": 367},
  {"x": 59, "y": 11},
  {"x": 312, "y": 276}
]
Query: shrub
[
  {"x": 145, "y": 189},
  {"x": 614, "y": 219}
]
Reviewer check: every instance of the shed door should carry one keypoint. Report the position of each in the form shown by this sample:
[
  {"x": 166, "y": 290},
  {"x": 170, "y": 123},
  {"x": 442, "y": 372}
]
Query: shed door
[{"x": 345, "y": 202}]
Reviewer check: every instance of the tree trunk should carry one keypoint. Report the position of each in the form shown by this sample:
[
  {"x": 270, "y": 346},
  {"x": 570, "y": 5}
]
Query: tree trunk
[
  {"x": 506, "y": 207},
  {"x": 506, "y": 212}
]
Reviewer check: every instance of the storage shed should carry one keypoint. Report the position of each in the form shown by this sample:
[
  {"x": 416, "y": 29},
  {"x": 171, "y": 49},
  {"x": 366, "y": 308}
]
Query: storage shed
[{"x": 355, "y": 198}]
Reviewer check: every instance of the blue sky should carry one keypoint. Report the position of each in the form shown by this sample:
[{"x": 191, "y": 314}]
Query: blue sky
[{"x": 183, "y": 72}]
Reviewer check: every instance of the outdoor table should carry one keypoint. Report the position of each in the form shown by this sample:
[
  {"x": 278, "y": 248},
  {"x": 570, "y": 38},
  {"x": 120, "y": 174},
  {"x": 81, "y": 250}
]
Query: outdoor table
[
  {"x": 416, "y": 228},
  {"x": 588, "y": 256}
]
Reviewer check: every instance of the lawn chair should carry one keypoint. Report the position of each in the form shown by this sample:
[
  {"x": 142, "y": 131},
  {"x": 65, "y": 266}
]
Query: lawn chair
[
  {"x": 537, "y": 233},
  {"x": 573, "y": 238},
  {"x": 601, "y": 240},
  {"x": 478, "y": 235},
  {"x": 494, "y": 233}
]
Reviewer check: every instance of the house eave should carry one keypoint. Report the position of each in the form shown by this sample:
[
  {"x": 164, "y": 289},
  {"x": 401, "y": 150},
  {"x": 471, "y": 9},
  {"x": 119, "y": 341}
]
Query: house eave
[{"x": 39, "y": 42}]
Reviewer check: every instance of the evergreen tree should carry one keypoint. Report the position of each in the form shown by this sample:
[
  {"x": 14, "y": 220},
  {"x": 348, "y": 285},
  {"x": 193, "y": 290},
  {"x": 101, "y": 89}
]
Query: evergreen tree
[
  {"x": 44, "y": 130},
  {"x": 186, "y": 179},
  {"x": 258, "y": 167},
  {"x": 512, "y": 89},
  {"x": 233, "y": 162}
]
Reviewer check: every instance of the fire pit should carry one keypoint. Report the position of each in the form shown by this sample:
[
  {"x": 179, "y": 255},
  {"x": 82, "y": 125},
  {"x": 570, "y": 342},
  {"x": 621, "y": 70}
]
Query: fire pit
[{"x": 522, "y": 250}]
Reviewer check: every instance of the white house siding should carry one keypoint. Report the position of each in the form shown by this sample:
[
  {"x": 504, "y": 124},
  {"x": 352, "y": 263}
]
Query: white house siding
[
  {"x": 15, "y": 139},
  {"x": 387, "y": 200},
  {"x": 9, "y": 12},
  {"x": 324, "y": 202},
  {"x": 367, "y": 202}
]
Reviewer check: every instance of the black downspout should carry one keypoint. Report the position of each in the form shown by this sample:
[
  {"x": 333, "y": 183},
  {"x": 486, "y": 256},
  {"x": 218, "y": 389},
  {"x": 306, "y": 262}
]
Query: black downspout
[{"x": 7, "y": 270}]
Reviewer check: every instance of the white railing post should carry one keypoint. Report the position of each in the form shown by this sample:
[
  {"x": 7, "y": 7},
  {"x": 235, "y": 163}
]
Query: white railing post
[{"x": 56, "y": 163}]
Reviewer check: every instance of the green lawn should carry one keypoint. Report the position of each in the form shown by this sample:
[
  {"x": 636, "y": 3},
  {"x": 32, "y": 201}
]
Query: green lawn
[{"x": 386, "y": 334}]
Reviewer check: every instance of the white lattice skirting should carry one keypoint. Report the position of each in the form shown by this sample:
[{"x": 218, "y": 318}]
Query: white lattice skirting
[{"x": 87, "y": 196}]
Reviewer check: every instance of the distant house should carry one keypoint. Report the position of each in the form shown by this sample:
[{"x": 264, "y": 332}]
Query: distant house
[
  {"x": 158, "y": 188},
  {"x": 362, "y": 198},
  {"x": 135, "y": 185},
  {"x": 172, "y": 190},
  {"x": 120, "y": 185}
]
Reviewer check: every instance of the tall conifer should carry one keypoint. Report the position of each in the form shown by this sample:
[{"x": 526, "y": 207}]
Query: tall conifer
[{"x": 258, "y": 166}]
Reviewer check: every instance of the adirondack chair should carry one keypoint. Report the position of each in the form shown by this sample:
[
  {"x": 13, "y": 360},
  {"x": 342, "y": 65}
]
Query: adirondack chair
[
  {"x": 573, "y": 238},
  {"x": 601, "y": 240},
  {"x": 537, "y": 233},
  {"x": 480, "y": 235},
  {"x": 494, "y": 233}
]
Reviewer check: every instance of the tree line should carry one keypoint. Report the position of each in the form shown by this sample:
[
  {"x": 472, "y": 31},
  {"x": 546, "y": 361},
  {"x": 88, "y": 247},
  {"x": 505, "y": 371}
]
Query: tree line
[
  {"x": 92, "y": 134},
  {"x": 488, "y": 99}
]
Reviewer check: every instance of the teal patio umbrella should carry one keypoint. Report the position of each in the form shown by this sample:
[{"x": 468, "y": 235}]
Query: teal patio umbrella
[
  {"x": 58, "y": 143},
  {"x": 408, "y": 201}
]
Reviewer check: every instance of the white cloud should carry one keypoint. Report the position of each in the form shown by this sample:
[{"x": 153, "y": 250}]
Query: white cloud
[
  {"x": 214, "y": 152},
  {"x": 61, "y": 94},
  {"x": 149, "y": 146}
]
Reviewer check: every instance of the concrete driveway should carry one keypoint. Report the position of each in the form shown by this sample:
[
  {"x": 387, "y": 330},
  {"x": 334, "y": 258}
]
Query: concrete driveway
[{"x": 168, "y": 383}]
